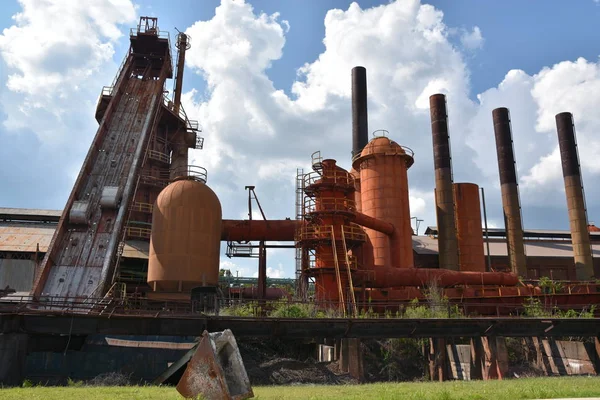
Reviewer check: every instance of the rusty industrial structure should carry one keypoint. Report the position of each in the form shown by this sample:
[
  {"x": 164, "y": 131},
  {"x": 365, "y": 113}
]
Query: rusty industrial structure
[
  {"x": 142, "y": 228},
  {"x": 510, "y": 191}
]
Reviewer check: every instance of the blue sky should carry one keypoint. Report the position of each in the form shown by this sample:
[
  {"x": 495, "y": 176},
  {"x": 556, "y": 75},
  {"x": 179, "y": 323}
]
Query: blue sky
[
  {"x": 519, "y": 34},
  {"x": 267, "y": 97}
]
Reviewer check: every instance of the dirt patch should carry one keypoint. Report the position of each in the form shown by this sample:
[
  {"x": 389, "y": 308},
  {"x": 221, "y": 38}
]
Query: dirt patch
[{"x": 281, "y": 362}]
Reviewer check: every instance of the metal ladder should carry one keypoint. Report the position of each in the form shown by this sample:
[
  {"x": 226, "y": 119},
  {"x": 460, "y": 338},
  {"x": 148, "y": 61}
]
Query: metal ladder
[
  {"x": 352, "y": 296},
  {"x": 337, "y": 273}
]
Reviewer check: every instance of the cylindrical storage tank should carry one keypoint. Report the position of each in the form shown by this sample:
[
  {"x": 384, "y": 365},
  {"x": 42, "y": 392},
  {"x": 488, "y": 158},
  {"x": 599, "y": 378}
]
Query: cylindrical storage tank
[
  {"x": 383, "y": 166},
  {"x": 468, "y": 227},
  {"x": 186, "y": 238},
  {"x": 580, "y": 236}
]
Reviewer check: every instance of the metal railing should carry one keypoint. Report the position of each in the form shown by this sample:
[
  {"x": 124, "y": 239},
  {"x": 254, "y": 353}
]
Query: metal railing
[
  {"x": 162, "y": 178},
  {"x": 142, "y": 207},
  {"x": 193, "y": 172},
  {"x": 335, "y": 176},
  {"x": 159, "y": 156},
  {"x": 199, "y": 143},
  {"x": 351, "y": 262},
  {"x": 133, "y": 305},
  {"x": 323, "y": 232},
  {"x": 328, "y": 204},
  {"x": 136, "y": 232},
  {"x": 191, "y": 125}
]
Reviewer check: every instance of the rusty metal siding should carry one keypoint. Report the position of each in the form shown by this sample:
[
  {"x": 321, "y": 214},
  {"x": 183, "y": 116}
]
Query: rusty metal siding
[{"x": 17, "y": 274}]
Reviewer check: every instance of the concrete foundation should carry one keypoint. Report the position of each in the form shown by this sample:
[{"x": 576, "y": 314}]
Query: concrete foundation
[
  {"x": 560, "y": 358},
  {"x": 459, "y": 361}
]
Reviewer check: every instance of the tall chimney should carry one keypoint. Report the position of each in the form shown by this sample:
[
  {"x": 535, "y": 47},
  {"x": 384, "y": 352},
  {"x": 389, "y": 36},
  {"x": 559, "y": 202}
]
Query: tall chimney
[
  {"x": 444, "y": 199},
  {"x": 510, "y": 192},
  {"x": 580, "y": 237},
  {"x": 360, "y": 123}
]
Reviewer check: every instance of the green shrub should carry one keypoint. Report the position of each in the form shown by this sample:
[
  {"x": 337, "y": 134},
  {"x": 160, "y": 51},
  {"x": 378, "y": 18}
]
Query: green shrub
[
  {"x": 286, "y": 309},
  {"x": 251, "y": 309}
]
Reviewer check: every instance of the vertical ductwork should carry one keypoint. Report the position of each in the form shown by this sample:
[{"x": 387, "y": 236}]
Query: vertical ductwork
[
  {"x": 582, "y": 252},
  {"x": 182, "y": 45},
  {"x": 510, "y": 191},
  {"x": 360, "y": 123},
  {"x": 447, "y": 241}
]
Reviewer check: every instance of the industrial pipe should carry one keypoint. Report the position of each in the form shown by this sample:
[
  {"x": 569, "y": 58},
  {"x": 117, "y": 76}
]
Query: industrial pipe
[
  {"x": 386, "y": 277},
  {"x": 254, "y": 293},
  {"x": 259, "y": 230},
  {"x": 360, "y": 123},
  {"x": 510, "y": 191},
  {"x": 447, "y": 242},
  {"x": 580, "y": 237},
  {"x": 373, "y": 223},
  {"x": 182, "y": 46}
]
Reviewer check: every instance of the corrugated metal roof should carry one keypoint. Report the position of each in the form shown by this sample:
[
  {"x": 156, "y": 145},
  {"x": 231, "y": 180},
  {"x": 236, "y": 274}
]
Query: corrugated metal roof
[
  {"x": 533, "y": 248},
  {"x": 30, "y": 211},
  {"x": 25, "y": 238},
  {"x": 527, "y": 233}
]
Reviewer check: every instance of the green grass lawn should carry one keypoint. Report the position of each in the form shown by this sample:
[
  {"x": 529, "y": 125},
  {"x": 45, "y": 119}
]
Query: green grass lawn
[{"x": 531, "y": 388}]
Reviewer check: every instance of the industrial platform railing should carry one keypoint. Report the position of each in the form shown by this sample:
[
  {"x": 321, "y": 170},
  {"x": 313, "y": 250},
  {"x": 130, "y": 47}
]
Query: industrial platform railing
[
  {"x": 328, "y": 204},
  {"x": 352, "y": 232},
  {"x": 141, "y": 306},
  {"x": 159, "y": 156}
]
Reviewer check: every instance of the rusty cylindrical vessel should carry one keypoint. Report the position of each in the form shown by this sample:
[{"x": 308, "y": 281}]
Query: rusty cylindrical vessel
[
  {"x": 582, "y": 251},
  {"x": 186, "y": 238},
  {"x": 360, "y": 123},
  {"x": 383, "y": 166},
  {"x": 447, "y": 242},
  {"x": 471, "y": 256},
  {"x": 510, "y": 191}
]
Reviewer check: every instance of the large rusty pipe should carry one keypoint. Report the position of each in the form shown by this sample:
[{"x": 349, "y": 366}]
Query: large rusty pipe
[
  {"x": 444, "y": 199},
  {"x": 360, "y": 123},
  {"x": 510, "y": 191},
  {"x": 386, "y": 277},
  {"x": 582, "y": 252},
  {"x": 373, "y": 223},
  {"x": 182, "y": 46},
  {"x": 259, "y": 230},
  {"x": 254, "y": 293}
]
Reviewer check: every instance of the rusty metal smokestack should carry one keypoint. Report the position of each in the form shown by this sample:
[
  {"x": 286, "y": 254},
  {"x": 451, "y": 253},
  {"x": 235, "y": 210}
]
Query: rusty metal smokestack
[
  {"x": 584, "y": 263},
  {"x": 447, "y": 241},
  {"x": 360, "y": 122},
  {"x": 510, "y": 191},
  {"x": 182, "y": 45}
]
